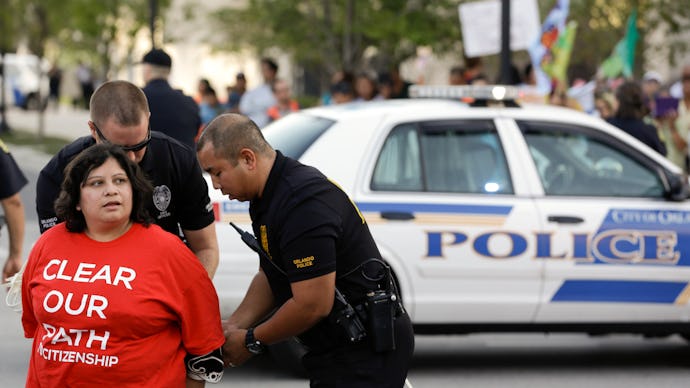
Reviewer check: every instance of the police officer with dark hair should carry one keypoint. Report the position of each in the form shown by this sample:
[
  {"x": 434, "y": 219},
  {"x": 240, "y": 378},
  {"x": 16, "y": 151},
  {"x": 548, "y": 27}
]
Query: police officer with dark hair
[
  {"x": 180, "y": 205},
  {"x": 320, "y": 273}
]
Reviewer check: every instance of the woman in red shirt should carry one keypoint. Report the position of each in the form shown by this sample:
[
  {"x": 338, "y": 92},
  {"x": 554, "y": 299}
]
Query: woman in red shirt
[{"x": 111, "y": 299}]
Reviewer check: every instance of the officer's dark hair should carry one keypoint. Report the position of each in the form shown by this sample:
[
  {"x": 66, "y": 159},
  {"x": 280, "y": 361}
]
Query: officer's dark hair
[
  {"x": 76, "y": 173},
  {"x": 229, "y": 133},
  {"x": 120, "y": 100}
]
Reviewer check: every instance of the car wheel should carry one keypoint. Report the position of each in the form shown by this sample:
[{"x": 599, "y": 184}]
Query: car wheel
[{"x": 288, "y": 354}]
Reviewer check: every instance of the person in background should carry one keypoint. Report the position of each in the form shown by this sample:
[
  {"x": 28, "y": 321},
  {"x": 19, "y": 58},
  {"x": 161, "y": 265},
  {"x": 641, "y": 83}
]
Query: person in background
[
  {"x": 651, "y": 86},
  {"x": 474, "y": 67},
  {"x": 54, "y": 80},
  {"x": 455, "y": 76},
  {"x": 180, "y": 203},
  {"x": 255, "y": 102},
  {"x": 675, "y": 126},
  {"x": 85, "y": 77},
  {"x": 385, "y": 83},
  {"x": 337, "y": 77},
  {"x": 366, "y": 88},
  {"x": 172, "y": 112},
  {"x": 312, "y": 239},
  {"x": 209, "y": 106},
  {"x": 342, "y": 92},
  {"x": 202, "y": 86},
  {"x": 12, "y": 180},
  {"x": 235, "y": 93},
  {"x": 630, "y": 114},
  {"x": 605, "y": 104},
  {"x": 401, "y": 87},
  {"x": 285, "y": 104},
  {"x": 148, "y": 315}
]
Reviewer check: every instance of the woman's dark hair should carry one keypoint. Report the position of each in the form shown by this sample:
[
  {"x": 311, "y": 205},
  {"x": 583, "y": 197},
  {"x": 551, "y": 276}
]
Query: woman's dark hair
[
  {"x": 78, "y": 170},
  {"x": 630, "y": 101}
]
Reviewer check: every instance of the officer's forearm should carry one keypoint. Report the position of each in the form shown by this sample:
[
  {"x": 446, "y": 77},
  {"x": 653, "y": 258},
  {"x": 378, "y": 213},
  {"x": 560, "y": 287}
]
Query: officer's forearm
[
  {"x": 204, "y": 244},
  {"x": 257, "y": 303},
  {"x": 14, "y": 214},
  {"x": 312, "y": 301}
]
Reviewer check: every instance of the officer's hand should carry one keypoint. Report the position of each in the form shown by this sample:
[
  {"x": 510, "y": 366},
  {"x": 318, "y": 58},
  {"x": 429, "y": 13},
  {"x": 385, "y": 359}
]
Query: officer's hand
[
  {"x": 235, "y": 352},
  {"x": 12, "y": 266}
]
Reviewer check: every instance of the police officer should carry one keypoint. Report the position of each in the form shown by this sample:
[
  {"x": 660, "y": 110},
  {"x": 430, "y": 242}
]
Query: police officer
[
  {"x": 11, "y": 181},
  {"x": 314, "y": 245},
  {"x": 120, "y": 115},
  {"x": 172, "y": 112}
]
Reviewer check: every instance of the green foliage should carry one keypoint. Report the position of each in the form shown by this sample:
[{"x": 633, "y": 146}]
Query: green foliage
[
  {"x": 80, "y": 29},
  {"x": 335, "y": 34},
  {"x": 331, "y": 34}
]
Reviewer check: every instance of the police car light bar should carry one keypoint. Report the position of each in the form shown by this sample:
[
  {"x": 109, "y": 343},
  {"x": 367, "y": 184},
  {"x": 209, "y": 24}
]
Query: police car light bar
[{"x": 474, "y": 92}]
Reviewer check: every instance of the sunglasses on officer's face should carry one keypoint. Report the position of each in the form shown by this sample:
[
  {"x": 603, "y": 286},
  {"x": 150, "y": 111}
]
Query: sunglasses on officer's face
[{"x": 133, "y": 148}]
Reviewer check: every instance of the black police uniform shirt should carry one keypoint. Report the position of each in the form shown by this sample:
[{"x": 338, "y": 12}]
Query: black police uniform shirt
[
  {"x": 180, "y": 193},
  {"x": 309, "y": 227},
  {"x": 11, "y": 177},
  {"x": 172, "y": 112}
]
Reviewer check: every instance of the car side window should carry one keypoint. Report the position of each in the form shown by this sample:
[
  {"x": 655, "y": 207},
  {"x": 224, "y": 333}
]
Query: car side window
[
  {"x": 398, "y": 167},
  {"x": 572, "y": 161},
  {"x": 449, "y": 157}
]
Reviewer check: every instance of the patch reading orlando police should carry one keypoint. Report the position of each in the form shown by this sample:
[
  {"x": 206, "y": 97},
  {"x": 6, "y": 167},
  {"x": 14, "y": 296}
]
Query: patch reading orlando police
[
  {"x": 161, "y": 199},
  {"x": 304, "y": 262}
]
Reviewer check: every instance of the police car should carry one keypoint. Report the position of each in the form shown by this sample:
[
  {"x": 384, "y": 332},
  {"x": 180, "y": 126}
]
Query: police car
[{"x": 496, "y": 216}]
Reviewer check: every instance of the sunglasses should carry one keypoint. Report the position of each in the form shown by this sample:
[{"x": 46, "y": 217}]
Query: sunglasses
[{"x": 133, "y": 148}]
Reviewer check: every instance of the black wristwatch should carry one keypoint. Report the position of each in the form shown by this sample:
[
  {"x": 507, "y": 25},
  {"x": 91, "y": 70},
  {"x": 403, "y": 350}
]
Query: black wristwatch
[{"x": 253, "y": 345}]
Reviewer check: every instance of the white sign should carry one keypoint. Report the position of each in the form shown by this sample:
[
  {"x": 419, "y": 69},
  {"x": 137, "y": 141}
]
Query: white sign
[{"x": 481, "y": 26}]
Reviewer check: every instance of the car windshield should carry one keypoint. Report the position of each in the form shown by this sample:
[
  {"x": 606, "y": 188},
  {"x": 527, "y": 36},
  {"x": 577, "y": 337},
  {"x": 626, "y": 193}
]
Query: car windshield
[{"x": 294, "y": 133}]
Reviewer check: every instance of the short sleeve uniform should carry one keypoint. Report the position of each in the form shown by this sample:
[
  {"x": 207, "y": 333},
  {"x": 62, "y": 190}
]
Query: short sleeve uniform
[
  {"x": 119, "y": 313},
  {"x": 180, "y": 193},
  {"x": 11, "y": 177},
  {"x": 310, "y": 228}
]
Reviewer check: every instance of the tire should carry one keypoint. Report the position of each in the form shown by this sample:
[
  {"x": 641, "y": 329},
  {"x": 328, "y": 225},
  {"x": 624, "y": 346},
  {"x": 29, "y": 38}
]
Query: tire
[{"x": 288, "y": 355}]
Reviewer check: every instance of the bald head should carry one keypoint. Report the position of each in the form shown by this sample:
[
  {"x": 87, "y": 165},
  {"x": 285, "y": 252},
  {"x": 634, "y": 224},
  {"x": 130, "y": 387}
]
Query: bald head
[
  {"x": 229, "y": 133},
  {"x": 122, "y": 101}
]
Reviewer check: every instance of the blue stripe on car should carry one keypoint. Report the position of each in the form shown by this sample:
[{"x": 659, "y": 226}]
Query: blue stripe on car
[{"x": 619, "y": 291}]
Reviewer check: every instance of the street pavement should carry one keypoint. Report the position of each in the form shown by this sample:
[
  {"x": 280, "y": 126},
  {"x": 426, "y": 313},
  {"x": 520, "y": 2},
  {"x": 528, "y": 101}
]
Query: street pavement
[{"x": 64, "y": 122}]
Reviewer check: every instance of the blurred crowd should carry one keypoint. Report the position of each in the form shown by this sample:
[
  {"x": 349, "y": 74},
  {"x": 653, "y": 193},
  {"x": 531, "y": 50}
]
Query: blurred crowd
[{"x": 652, "y": 109}]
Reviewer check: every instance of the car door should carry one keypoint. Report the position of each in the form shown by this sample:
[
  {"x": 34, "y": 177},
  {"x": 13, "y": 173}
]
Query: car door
[
  {"x": 441, "y": 203},
  {"x": 615, "y": 249}
]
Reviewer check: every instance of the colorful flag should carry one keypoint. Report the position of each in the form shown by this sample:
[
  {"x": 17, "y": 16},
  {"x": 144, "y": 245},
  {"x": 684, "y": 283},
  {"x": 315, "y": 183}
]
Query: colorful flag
[
  {"x": 541, "y": 51},
  {"x": 622, "y": 59},
  {"x": 557, "y": 69}
]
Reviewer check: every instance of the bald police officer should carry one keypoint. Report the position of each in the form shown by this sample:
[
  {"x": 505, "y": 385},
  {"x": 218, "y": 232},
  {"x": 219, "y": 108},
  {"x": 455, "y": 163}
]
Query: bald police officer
[{"x": 318, "y": 264}]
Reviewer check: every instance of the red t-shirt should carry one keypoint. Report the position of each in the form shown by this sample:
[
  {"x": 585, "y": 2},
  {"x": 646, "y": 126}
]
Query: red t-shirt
[{"x": 120, "y": 313}]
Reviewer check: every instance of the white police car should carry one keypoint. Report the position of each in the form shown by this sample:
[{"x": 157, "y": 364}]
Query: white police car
[{"x": 497, "y": 218}]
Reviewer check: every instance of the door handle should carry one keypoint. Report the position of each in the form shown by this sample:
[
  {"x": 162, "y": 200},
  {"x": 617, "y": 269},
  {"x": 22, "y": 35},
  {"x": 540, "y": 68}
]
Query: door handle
[
  {"x": 566, "y": 219},
  {"x": 397, "y": 216}
]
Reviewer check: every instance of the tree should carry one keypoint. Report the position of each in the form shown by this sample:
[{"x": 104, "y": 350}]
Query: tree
[{"x": 334, "y": 35}]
